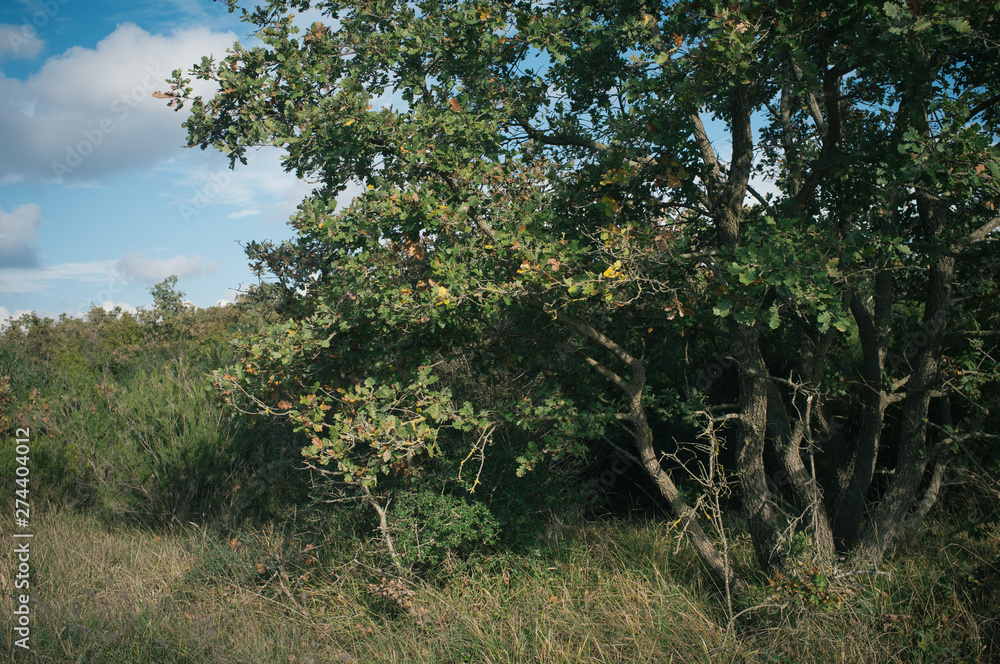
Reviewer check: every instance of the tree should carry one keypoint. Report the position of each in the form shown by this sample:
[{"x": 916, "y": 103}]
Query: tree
[{"x": 547, "y": 200}]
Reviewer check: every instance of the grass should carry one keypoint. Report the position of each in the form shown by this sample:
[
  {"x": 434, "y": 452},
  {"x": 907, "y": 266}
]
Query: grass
[{"x": 618, "y": 591}]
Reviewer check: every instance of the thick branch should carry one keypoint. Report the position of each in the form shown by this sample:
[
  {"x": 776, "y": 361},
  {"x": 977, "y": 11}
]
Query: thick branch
[
  {"x": 383, "y": 526},
  {"x": 589, "y": 332},
  {"x": 811, "y": 103},
  {"x": 825, "y": 162},
  {"x": 984, "y": 105},
  {"x": 708, "y": 158},
  {"x": 804, "y": 485},
  {"x": 977, "y": 235},
  {"x": 561, "y": 140}
]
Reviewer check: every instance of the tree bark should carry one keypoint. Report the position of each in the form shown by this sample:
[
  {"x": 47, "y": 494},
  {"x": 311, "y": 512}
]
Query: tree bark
[
  {"x": 930, "y": 497},
  {"x": 885, "y": 524},
  {"x": 758, "y": 507},
  {"x": 873, "y": 331},
  {"x": 804, "y": 486}
]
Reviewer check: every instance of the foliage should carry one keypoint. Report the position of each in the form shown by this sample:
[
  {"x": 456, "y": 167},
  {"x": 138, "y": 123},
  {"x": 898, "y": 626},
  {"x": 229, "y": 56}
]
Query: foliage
[
  {"x": 430, "y": 528},
  {"x": 809, "y": 585},
  {"x": 123, "y": 416},
  {"x": 542, "y": 200}
]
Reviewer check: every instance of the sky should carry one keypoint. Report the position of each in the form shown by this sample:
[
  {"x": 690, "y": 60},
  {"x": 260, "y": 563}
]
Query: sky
[{"x": 99, "y": 198}]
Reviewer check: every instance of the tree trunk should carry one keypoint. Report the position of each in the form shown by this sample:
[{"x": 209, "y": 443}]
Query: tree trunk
[
  {"x": 930, "y": 497},
  {"x": 717, "y": 563},
  {"x": 807, "y": 491},
  {"x": 888, "y": 518},
  {"x": 758, "y": 508},
  {"x": 632, "y": 388},
  {"x": 727, "y": 208},
  {"x": 873, "y": 331}
]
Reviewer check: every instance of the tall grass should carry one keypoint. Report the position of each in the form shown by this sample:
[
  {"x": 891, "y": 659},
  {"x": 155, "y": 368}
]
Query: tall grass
[{"x": 617, "y": 591}]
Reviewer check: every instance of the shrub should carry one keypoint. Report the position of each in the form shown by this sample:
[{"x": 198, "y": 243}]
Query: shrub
[{"x": 430, "y": 529}]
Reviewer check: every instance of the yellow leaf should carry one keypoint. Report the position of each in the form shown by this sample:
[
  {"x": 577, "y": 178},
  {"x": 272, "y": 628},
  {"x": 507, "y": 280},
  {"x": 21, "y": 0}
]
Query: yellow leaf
[
  {"x": 348, "y": 122},
  {"x": 610, "y": 204}
]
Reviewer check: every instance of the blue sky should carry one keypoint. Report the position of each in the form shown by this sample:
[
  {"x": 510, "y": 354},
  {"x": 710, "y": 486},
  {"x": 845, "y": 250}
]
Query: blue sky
[{"x": 98, "y": 198}]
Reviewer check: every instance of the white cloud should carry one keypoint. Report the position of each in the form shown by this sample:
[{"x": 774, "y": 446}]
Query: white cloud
[
  {"x": 110, "y": 306},
  {"x": 90, "y": 112},
  {"x": 262, "y": 187},
  {"x": 6, "y": 315},
  {"x": 134, "y": 266},
  {"x": 19, "y": 236},
  {"x": 36, "y": 280},
  {"x": 19, "y": 41},
  {"x": 229, "y": 297}
]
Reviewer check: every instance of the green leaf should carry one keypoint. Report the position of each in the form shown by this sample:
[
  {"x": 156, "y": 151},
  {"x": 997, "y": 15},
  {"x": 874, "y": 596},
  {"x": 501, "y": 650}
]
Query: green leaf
[
  {"x": 722, "y": 307},
  {"x": 960, "y": 24},
  {"x": 775, "y": 321}
]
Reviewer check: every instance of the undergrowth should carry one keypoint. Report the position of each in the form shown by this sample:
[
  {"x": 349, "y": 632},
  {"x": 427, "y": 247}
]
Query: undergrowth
[{"x": 616, "y": 591}]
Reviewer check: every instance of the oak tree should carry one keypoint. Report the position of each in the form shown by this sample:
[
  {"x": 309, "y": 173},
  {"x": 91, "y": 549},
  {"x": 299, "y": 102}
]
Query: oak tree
[{"x": 594, "y": 202}]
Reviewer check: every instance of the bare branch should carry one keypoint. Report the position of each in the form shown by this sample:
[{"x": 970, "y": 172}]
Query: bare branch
[
  {"x": 811, "y": 103},
  {"x": 763, "y": 201},
  {"x": 707, "y": 153}
]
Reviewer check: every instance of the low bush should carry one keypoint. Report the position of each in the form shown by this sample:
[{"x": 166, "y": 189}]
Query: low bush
[{"x": 430, "y": 528}]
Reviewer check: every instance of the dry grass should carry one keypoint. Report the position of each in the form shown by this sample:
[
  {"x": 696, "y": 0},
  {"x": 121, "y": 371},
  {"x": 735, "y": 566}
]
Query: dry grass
[{"x": 612, "y": 592}]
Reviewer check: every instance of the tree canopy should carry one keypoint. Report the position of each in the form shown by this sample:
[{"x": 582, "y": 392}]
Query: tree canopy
[{"x": 768, "y": 228}]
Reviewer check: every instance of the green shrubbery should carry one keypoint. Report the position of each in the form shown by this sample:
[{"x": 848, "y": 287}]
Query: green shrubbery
[
  {"x": 431, "y": 528},
  {"x": 124, "y": 418},
  {"x": 125, "y": 423}
]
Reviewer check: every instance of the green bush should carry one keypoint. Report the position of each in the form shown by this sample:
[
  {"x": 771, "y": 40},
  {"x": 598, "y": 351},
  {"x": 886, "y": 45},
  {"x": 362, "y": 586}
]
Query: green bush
[
  {"x": 430, "y": 529},
  {"x": 173, "y": 448},
  {"x": 124, "y": 418}
]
